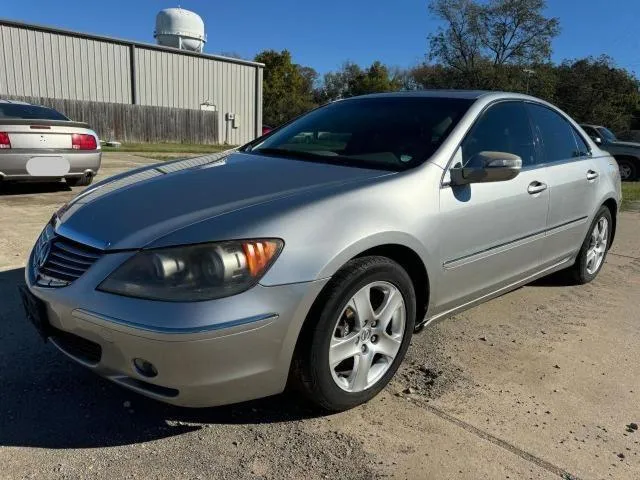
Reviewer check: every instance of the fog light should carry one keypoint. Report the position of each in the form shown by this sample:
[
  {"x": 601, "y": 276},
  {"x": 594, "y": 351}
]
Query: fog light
[{"x": 145, "y": 368}]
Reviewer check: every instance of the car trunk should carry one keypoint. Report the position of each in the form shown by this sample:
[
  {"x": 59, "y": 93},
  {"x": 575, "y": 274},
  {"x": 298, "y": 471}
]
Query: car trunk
[{"x": 41, "y": 134}]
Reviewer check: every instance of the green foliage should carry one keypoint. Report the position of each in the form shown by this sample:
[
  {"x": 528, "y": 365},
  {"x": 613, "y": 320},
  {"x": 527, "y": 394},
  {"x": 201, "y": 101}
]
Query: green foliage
[
  {"x": 290, "y": 89},
  {"x": 287, "y": 87},
  {"x": 352, "y": 80},
  {"x": 594, "y": 90},
  {"x": 591, "y": 90}
]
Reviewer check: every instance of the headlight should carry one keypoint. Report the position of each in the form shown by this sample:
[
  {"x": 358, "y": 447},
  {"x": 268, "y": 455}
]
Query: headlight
[{"x": 194, "y": 273}]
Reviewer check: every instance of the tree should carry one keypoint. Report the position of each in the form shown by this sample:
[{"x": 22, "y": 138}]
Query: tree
[
  {"x": 594, "y": 90},
  {"x": 287, "y": 88},
  {"x": 352, "y": 80},
  {"x": 478, "y": 39}
]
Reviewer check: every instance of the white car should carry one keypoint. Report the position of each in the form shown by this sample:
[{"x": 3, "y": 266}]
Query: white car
[{"x": 39, "y": 143}]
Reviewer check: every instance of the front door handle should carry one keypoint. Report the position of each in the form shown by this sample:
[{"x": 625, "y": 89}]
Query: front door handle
[
  {"x": 592, "y": 175},
  {"x": 536, "y": 187}
]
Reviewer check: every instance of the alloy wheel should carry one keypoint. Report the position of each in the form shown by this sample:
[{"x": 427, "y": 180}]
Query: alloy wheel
[
  {"x": 367, "y": 336},
  {"x": 597, "y": 245}
]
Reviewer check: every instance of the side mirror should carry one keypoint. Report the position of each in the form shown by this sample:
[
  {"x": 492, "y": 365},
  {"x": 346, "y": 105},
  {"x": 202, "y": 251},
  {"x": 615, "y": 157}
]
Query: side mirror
[
  {"x": 491, "y": 167},
  {"x": 598, "y": 140}
]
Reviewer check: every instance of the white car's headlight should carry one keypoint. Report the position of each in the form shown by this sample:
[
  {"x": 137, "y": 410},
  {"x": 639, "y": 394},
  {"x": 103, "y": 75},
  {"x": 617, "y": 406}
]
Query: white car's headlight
[{"x": 194, "y": 273}]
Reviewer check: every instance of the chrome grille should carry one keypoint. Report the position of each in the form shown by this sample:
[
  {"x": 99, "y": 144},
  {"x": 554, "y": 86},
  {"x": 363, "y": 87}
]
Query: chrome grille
[{"x": 58, "y": 261}]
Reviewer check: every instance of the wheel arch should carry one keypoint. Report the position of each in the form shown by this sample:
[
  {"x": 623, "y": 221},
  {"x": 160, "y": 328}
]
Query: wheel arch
[
  {"x": 404, "y": 255},
  {"x": 404, "y": 249},
  {"x": 626, "y": 156},
  {"x": 612, "y": 205},
  {"x": 411, "y": 262}
]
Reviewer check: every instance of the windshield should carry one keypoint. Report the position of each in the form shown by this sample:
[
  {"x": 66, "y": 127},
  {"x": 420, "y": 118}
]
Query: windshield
[
  {"x": 29, "y": 112},
  {"x": 607, "y": 134},
  {"x": 385, "y": 132}
]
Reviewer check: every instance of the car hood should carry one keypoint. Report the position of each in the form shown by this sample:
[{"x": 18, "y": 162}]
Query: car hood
[{"x": 131, "y": 210}]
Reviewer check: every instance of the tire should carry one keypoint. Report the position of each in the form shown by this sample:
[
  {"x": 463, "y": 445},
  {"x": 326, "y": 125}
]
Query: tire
[
  {"x": 628, "y": 169},
  {"x": 581, "y": 272},
  {"x": 331, "y": 388},
  {"x": 83, "y": 181}
]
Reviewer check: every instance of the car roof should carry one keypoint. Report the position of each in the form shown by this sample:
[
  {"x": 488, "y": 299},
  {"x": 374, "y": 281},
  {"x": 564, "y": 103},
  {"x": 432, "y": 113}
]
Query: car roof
[
  {"x": 439, "y": 93},
  {"x": 486, "y": 96}
]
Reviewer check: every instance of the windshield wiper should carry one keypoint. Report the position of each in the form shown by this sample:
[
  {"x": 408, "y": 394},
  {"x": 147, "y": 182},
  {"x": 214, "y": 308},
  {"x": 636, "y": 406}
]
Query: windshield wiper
[
  {"x": 330, "y": 159},
  {"x": 285, "y": 152}
]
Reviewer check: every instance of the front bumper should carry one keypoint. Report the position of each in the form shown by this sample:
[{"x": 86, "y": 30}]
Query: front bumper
[
  {"x": 13, "y": 164},
  {"x": 205, "y": 353}
]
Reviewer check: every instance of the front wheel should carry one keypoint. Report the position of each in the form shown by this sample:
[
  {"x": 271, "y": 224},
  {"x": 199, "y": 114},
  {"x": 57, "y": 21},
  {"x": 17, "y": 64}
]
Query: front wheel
[
  {"x": 359, "y": 335},
  {"x": 594, "y": 248}
]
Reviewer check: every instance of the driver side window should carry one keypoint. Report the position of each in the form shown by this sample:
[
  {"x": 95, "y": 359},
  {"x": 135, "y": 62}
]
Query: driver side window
[{"x": 503, "y": 127}]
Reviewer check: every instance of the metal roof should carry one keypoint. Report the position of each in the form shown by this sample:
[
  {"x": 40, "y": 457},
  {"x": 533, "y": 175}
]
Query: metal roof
[{"x": 150, "y": 46}]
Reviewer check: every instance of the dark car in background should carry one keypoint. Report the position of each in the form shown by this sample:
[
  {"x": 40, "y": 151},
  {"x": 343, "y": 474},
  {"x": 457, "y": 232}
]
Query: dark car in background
[
  {"x": 39, "y": 143},
  {"x": 627, "y": 154}
]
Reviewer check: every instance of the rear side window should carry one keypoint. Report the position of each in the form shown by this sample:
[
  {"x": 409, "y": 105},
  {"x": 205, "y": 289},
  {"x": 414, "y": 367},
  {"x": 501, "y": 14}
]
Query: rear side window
[
  {"x": 29, "y": 112},
  {"x": 555, "y": 135},
  {"x": 504, "y": 127}
]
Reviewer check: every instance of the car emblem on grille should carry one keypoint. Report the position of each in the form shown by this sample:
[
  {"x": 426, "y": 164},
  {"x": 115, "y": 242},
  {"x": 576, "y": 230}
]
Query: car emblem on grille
[{"x": 43, "y": 255}]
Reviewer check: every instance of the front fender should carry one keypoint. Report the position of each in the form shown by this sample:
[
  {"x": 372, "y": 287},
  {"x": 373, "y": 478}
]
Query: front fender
[{"x": 376, "y": 240}]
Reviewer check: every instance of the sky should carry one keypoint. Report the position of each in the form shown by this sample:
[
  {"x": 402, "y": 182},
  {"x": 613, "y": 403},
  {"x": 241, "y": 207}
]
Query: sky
[{"x": 325, "y": 34}]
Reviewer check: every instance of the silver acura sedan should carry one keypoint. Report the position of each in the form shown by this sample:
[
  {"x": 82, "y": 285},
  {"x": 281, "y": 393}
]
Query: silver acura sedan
[
  {"x": 39, "y": 143},
  {"x": 310, "y": 256}
]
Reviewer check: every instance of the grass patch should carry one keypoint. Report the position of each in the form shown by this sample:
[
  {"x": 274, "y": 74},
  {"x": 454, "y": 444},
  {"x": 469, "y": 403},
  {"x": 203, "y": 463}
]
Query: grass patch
[
  {"x": 167, "y": 148},
  {"x": 631, "y": 195}
]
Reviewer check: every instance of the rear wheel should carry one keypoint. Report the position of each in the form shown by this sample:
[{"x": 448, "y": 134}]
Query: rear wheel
[
  {"x": 82, "y": 181},
  {"x": 628, "y": 170},
  {"x": 594, "y": 248},
  {"x": 359, "y": 334}
]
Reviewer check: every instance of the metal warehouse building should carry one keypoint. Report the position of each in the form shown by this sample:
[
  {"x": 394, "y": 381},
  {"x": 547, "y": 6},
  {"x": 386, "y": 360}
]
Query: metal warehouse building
[{"x": 38, "y": 62}]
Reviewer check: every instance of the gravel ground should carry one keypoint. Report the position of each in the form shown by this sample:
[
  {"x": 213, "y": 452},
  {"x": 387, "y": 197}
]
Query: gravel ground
[{"x": 540, "y": 383}]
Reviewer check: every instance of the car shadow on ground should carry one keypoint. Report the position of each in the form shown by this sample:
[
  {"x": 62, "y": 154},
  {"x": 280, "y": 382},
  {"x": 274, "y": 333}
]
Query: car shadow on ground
[
  {"x": 560, "y": 279},
  {"x": 47, "y": 401},
  {"x": 24, "y": 188}
]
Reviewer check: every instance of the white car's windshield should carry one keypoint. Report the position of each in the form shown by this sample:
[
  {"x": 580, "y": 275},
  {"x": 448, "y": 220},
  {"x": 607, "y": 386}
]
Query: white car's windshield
[{"x": 384, "y": 132}]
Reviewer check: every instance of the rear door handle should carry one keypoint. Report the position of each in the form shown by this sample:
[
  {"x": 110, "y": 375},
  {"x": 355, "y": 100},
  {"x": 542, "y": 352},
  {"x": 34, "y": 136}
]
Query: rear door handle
[
  {"x": 592, "y": 175},
  {"x": 536, "y": 187}
]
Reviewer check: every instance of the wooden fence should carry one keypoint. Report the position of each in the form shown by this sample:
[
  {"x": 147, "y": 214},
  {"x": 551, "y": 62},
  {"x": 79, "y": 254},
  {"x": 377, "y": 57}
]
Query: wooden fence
[{"x": 137, "y": 123}]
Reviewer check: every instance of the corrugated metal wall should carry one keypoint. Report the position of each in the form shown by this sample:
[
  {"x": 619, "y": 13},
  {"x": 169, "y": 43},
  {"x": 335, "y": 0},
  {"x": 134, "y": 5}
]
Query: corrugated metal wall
[
  {"x": 42, "y": 62},
  {"x": 184, "y": 81}
]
